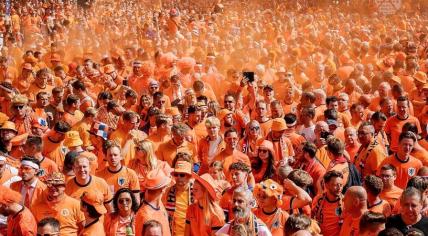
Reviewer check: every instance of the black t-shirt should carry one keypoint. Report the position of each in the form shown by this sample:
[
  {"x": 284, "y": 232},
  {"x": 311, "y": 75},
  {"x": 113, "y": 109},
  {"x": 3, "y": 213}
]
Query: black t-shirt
[{"x": 397, "y": 222}]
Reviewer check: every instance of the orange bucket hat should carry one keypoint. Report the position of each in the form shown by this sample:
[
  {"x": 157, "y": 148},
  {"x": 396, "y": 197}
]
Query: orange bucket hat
[
  {"x": 210, "y": 185},
  {"x": 278, "y": 124},
  {"x": 156, "y": 179}
]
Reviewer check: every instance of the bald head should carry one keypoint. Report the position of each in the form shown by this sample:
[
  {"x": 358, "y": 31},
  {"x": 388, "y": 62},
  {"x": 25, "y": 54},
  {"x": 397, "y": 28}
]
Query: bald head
[{"x": 356, "y": 192}]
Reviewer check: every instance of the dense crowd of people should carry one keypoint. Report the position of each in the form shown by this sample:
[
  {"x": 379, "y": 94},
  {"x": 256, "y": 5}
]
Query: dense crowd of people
[{"x": 158, "y": 118}]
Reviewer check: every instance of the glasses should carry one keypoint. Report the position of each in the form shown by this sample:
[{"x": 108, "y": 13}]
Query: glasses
[
  {"x": 124, "y": 200},
  {"x": 19, "y": 107},
  {"x": 386, "y": 176},
  {"x": 255, "y": 128},
  {"x": 289, "y": 75},
  {"x": 182, "y": 175},
  {"x": 55, "y": 185},
  {"x": 263, "y": 150},
  {"x": 228, "y": 101}
]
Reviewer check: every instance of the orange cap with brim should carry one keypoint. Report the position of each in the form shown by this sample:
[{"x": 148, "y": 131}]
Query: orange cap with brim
[
  {"x": 95, "y": 199},
  {"x": 156, "y": 179},
  {"x": 209, "y": 185}
]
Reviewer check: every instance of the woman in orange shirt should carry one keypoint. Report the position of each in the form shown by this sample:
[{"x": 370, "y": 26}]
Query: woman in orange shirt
[
  {"x": 121, "y": 221},
  {"x": 263, "y": 164},
  {"x": 205, "y": 216},
  {"x": 146, "y": 161}
]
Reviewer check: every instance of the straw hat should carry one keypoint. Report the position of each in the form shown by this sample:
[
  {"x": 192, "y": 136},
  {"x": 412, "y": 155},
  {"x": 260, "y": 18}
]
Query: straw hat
[
  {"x": 183, "y": 167},
  {"x": 9, "y": 125},
  {"x": 55, "y": 178},
  {"x": 156, "y": 179},
  {"x": 278, "y": 124},
  {"x": 72, "y": 139},
  {"x": 420, "y": 77},
  {"x": 95, "y": 199},
  {"x": 20, "y": 99}
]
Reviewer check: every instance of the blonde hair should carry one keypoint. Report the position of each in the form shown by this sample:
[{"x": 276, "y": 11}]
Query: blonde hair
[
  {"x": 212, "y": 121},
  {"x": 147, "y": 147},
  {"x": 210, "y": 207},
  {"x": 219, "y": 165}
]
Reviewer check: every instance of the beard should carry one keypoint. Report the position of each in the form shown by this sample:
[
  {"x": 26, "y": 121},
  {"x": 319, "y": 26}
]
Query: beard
[{"x": 240, "y": 212}]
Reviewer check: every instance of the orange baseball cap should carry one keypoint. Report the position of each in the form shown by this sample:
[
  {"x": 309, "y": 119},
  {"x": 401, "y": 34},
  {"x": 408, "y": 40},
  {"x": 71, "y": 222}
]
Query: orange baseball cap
[
  {"x": 109, "y": 69},
  {"x": 95, "y": 199}
]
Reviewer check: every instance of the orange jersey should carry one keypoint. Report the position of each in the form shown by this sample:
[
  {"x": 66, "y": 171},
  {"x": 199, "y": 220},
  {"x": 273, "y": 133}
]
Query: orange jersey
[
  {"x": 75, "y": 190},
  {"x": 275, "y": 222},
  {"x": 94, "y": 228},
  {"x": 198, "y": 226},
  {"x": 368, "y": 159},
  {"x": 21, "y": 224},
  {"x": 327, "y": 213},
  {"x": 405, "y": 169},
  {"x": 146, "y": 213},
  {"x": 124, "y": 178},
  {"x": 66, "y": 211},
  {"x": 391, "y": 196},
  {"x": 350, "y": 227},
  {"x": 54, "y": 151},
  {"x": 393, "y": 127},
  {"x": 167, "y": 151},
  {"x": 228, "y": 160},
  {"x": 382, "y": 207}
]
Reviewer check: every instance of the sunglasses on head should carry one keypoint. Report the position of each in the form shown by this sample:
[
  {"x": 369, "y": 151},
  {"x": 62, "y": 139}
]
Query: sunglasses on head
[{"x": 182, "y": 175}]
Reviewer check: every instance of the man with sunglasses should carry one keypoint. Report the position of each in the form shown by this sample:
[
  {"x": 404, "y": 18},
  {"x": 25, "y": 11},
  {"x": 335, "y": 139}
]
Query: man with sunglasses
[
  {"x": 179, "y": 197},
  {"x": 48, "y": 227},
  {"x": 21, "y": 114},
  {"x": 60, "y": 206},
  {"x": 238, "y": 115}
]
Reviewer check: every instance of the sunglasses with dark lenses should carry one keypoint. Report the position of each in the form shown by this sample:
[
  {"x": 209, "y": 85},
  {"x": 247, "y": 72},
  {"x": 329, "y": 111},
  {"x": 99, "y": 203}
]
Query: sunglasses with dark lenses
[
  {"x": 228, "y": 101},
  {"x": 263, "y": 150},
  {"x": 19, "y": 107},
  {"x": 254, "y": 128},
  {"x": 124, "y": 200},
  {"x": 51, "y": 234},
  {"x": 179, "y": 175}
]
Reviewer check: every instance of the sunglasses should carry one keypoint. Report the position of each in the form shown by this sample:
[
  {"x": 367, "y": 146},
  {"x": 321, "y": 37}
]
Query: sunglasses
[
  {"x": 263, "y": 150},
  {"x": 51, "y": 234},
  {"x": 254, "y": 128},
  {"x": 228, "y": 101},
  {"x": 20, "y": 107},
  {"x": 124, "y": 200},
  {"x": 182, "y": 175}
]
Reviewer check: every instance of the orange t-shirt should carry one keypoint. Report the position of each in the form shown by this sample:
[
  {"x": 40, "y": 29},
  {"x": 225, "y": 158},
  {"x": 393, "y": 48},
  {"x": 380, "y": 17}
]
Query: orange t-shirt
[
  {"x": 275, "y": 221},
  {"x": 228, "y": 160},
  {"x": 72, "y": 119},
  {"x": 391, "y": 196},
  {"x": 146, "y": 213},
  {"x": 94, "y": 228},
  {"x": 350, "y": 227},
  {"x": 382, "y": 207},
  {"x": 54, "y": 151},
  {"x": 368, "y": 159},
  {"x": 66, "y": 211},
  {"x": 124, "y": 178},
  {"x": 167, "y": 150},
  {"x": 393, "y": 127},
  {"x": 75, "y": 190},
  {"x": 198, "y": 226},
  {"x": 22, "y": 224},
  {"x": 327, "y": 214},
  {"x": 341, "y": 167},
  {"x": 265, "y": 127},
  {"x": 405, "y": 169},
  {"x": 47, "y": 166}
]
